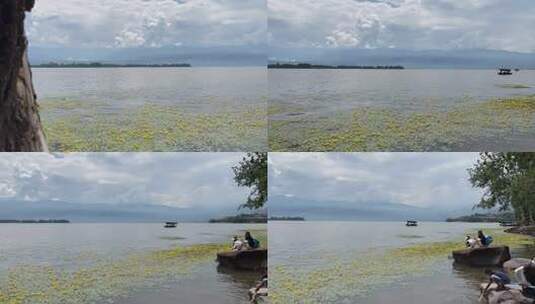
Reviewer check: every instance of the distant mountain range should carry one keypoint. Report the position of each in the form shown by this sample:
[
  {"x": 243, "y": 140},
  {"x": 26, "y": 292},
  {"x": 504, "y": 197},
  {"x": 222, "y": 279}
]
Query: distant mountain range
[
  {"x": 216, "y": 56},
  {"x": 336, "y": 210},
  {"x": 254, "y": 56},
  {"x": 465, "y": 59},
  {"x": 107, "y": 212}
]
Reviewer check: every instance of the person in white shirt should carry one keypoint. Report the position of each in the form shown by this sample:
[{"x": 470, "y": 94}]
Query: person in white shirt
[
  {"x": 470, "y": 242},
  {"x": 237, "y": 244}
]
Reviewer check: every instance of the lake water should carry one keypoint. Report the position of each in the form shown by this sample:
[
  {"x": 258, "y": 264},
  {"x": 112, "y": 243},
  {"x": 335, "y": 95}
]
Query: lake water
[
  {"x": 81, "y": 98},
  {"x": 358, "y": 262},
  {"x": 330, "y": 100},
  {"x": 120, "y": 263}
]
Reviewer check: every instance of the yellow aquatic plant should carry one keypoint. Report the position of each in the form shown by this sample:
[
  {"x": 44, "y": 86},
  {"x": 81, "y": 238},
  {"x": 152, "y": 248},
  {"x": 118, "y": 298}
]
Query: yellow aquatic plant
[
  {"x": 376, "y": 128},
  {"x": 340, "y": 279},
  {"x": 89, "y": 126}
]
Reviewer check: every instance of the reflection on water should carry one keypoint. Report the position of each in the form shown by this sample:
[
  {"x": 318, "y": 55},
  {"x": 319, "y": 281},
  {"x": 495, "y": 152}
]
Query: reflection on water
[
  {"x": 92, "y": 263},
  {"x": 376, "y": 262}
]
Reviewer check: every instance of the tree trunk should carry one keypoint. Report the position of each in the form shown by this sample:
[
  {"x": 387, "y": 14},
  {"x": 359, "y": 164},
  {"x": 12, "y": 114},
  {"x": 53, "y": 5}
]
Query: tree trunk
[{"x": 20, "y": 124}]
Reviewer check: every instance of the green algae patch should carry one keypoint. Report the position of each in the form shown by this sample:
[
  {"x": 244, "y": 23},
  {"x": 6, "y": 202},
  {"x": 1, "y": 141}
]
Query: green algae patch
[
  {"x": 343, "y": 280},
  {"x": 105, "y": 279},
  {"x": 374, "y": 129},
  {"x": 513, "y": 86},
  {"x": 72, "y": 126}
]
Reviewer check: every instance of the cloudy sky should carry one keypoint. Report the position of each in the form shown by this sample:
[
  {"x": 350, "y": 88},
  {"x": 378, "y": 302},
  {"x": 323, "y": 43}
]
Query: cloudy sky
[
  {"x": 147, "y": 23},
  {"x": 435, "y": 180},
  {"x": 404, "y": 24},
  {"x": 181, "y": 180}
]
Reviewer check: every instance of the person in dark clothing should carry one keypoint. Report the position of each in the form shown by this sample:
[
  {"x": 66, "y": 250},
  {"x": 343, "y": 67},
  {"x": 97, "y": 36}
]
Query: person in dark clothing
[
  {"x": 251, "y": 242},
  {"x": 484, "y": 240},
  {"x": 497, "y": 277}
]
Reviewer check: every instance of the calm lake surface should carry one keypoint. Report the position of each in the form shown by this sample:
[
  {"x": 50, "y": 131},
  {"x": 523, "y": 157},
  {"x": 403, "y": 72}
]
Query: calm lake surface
[
  {"x": 194, "y": 89},
  {"x": 357, "y": 259},
  {"x": 119, "y": 263},
  {"x": 78, "y": 97},
  {"x": 324, "y": 99}
]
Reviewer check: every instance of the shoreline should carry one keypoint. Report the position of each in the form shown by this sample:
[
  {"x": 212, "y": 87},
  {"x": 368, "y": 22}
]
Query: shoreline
[{"x": 522, "y": 230}]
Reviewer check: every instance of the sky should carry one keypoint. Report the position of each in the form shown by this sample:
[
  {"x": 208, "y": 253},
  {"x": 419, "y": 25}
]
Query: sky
[
  {"x": 426, "y": 180},
  {"x": 178, "y": 180},
  {"x": 403, "y": 24},
  {"x": 117, "y": 30},
  {"x": 147, "y": 23}
]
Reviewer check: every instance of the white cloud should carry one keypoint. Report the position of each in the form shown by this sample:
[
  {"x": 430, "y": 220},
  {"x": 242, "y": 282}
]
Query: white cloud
[
  {"x": 182, "y": 180},
  {"x": 408, "y": 24},
  {"x": 417, "y": 179},
  {"x": 146, "y": 23}
]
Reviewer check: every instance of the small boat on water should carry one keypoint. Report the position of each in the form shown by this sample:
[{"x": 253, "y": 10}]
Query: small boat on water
[
  {"x": 411, "y": 224},
  {"x": 254, "y": 259},
  {"x": 505, "y": 72},
  {"x": 483, "y": 256},
  {"x": 170, "y": 224}
]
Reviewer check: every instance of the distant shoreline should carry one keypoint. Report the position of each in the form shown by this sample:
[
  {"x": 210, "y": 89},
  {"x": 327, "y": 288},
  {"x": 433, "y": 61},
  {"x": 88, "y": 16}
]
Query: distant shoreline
[
  {"x": 109, "y": 65},
  {"x": 241, "y": 219},
  {"x": 287, "y": 218},
  {"x": 333, "y": 67},
  {"x": 34, "y": 221}
]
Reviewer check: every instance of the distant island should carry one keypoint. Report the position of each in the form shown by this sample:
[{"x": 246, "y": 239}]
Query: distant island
[
  {"x": 339, "y": 67},
  {"x": 485, "y": 218},
  {"x": 109, "y": 65},
  {"x": 34, "y": 221},
  {"x": 286, "y": 218},
  {"x": 241, "y": 219}
]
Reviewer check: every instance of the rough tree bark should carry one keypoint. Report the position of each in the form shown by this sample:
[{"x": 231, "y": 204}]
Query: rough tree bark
[{"x": 20, "y": 124}]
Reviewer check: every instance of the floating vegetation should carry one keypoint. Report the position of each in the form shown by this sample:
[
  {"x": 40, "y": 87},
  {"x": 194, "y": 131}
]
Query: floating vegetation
[
  {"x": 344, "y": 280},
  {"x": 89, "y": 126},
  {"x": 172, "y": 238},
  {"x": 513, "y": 86},
  {"x": 410, "y": 236},
  {"x": 372, "y": 129},
  {"x": 102, "y": 281}
]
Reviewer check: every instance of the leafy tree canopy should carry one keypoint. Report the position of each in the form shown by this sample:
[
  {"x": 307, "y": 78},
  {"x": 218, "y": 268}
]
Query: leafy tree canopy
[
  {"x": 508, "y": 180},
  {"x": 251, "y": 172}
]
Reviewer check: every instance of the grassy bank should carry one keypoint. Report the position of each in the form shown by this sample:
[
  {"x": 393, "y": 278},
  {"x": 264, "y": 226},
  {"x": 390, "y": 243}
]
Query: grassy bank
[
  {"x": 72, "y": 125},
  {"x": 336, "y": 280},
  {"x": 372, "y": 129}
]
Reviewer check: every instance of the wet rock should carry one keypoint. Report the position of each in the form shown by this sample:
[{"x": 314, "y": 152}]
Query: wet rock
[
  {"x": 262, "y": 292},
  {"x": 509, "y": 296},
  {"x": 480, "y": 257},
  {"x": 255, "y": 259},
  {"x": 513, "y": 264}
]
